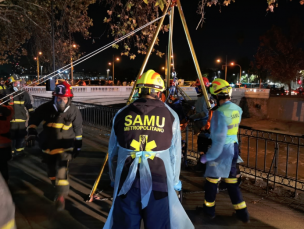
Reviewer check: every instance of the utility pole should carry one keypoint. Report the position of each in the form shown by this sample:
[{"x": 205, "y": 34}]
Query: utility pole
[
  {"x": 53, "y": 42},
  {"x": 226, "y": 69},
  {"x": 113, "y": 70}
]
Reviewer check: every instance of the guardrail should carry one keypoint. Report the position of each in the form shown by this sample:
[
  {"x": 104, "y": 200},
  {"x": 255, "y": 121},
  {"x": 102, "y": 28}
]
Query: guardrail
[
  {"x": 274, "y": 157},
  {"x": 97, "y": 116}
]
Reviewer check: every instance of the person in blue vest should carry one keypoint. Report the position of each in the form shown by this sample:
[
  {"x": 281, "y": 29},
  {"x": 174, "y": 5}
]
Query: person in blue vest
[
  {"x": 145, "y": 161},
  {"x": 222, "y": 157},
  {"x": 201, "y": 110}
]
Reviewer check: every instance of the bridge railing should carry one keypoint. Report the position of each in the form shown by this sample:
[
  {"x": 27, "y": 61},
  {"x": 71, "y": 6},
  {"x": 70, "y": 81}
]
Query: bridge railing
[
  {"x": 97, "y": 116},
  {"x": 275, "y": 157}
]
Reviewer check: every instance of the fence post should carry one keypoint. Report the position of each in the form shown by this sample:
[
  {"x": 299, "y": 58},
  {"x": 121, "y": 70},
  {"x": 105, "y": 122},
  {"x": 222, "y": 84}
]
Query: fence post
[
  {"x": 276, "y": 153},
  {"x": 297, "y": 168},
  {"x": 256, "y": 157}
]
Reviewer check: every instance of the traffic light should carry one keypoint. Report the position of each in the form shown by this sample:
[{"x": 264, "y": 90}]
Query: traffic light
[{"x": 299, "y": 81}]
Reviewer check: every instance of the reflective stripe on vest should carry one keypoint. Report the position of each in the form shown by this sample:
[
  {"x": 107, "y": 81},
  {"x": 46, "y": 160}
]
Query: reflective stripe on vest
[
  {"x": 233, "y": 127},
  {"x": 232, "y": 116}
]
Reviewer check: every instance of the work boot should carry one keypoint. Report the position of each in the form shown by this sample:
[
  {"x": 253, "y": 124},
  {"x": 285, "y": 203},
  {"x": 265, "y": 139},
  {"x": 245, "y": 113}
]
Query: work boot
[
  {"x": 243, "y": 215},
  {"x": 209, "y": 211},
  {"x": 59, "y": 203}
]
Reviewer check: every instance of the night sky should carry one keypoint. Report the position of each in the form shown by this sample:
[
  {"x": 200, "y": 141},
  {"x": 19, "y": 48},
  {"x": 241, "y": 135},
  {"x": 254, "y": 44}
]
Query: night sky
[{"x": 233, "y": 32}]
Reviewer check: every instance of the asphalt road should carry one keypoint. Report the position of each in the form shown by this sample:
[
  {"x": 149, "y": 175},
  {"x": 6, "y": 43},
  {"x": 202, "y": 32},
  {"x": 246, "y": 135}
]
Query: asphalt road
[{"x": 32, "y": 193}]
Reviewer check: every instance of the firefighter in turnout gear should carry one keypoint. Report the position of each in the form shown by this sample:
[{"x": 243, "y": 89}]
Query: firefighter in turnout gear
[
  {"x": 223, "y": 155},
  {"x": 145, "y": 160},
  {"x": 6, "y": 113},
  {"x": 22, "y": 110},
  {"x": 61, "y": 138}
]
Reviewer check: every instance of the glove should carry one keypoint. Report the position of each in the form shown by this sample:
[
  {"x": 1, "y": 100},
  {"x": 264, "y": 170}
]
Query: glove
[
  {"x": 31, "y": 137},
  {"x": 178, "y": 186},
  {"x": 112, "y": 184},
  {"x": 203, "y": 159},
  {"x": 76, "y": 152}
]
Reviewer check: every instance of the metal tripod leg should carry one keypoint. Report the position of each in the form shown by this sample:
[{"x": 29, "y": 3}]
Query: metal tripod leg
[
  {"x": 198, "y": 70},
  {"x": 148, "y": 53},
  {"x": 169, "y": 51},
  {"x": 91, "y": 196}
]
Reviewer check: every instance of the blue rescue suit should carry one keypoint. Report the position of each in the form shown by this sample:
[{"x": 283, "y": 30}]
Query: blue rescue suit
[
  {"x": 222, "y": 158},
  {"x": 146, "y": 170},
  {"x": 201, "y": 115}
]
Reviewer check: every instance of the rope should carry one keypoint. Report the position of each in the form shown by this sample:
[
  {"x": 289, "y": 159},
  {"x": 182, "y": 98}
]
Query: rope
[{"x": 84, "y": 58}]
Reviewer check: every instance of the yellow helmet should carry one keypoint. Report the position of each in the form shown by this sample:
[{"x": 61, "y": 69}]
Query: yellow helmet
[
  {"x": 220, "y": 86},
  {"x": 11, "y": 79},
  {"x": 151, "y": 80}
]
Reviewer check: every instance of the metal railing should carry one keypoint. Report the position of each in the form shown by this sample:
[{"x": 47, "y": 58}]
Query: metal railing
[
  {"x": 274, "y": 157},
  {"x": 97, "y": 116}
]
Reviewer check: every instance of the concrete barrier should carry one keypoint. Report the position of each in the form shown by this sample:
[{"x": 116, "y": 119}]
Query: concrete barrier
[
  {"x": 104, "y": 94},
  {"x": 285, "y": 108}
]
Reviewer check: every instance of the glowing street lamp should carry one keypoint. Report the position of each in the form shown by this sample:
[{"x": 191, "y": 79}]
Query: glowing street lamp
[
  {"x": 224, "y": 65},
  {"x": 72, "y": 67},
  {"x": 108, "y": 70},
  {"x": 113, "y": 64},
  {"x": 233, "y": 64},
  {"x": 37, "y": 58}
]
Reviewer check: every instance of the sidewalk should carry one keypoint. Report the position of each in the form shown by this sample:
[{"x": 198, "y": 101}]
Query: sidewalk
[
  {"x": 270, "y": 125},
  {"x": 32, "y": 193}
]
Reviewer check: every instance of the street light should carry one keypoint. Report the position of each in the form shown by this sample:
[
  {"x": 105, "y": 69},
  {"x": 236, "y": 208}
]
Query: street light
[
  {"x": 108, "y": 70},
  {"x": 37, "y": 58},
  {"x": 72, "y": 67},
  {"x": 233, "y": 64},
  {"x": 224, "y": 65},
  {"x": 113, "y": 64}
]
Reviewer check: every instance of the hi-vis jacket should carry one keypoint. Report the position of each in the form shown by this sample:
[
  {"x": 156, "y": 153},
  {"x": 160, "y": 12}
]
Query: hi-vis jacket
[
  {"x": 7, "y": 208},
  {"x": 61, "y": 131},
  {"x": 145, "y": 152},
  {"x": 223, "y": 133}
]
